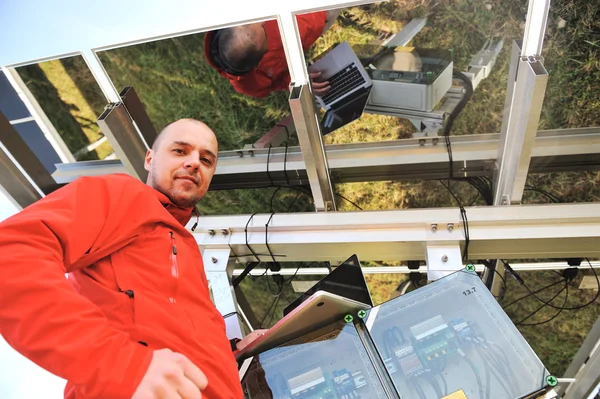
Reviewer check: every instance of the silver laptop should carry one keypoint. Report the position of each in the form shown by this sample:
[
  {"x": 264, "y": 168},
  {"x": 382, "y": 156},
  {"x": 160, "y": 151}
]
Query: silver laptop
[
  {"x": 319, "y": 310},
  {"x": 350, "y": 87}
]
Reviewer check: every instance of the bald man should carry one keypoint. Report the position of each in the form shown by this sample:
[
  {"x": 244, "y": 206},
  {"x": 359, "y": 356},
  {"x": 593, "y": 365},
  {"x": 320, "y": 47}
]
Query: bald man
[
  {"x": 252, "y": 57},
  {"x": 135, "y": 318}
]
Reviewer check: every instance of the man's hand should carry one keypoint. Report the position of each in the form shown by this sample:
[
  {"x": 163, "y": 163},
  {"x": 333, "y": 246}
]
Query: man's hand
[
  {"x": 171, "y": 376},
  {"x": 319, "y": 88},
  {"x": 249, "y": 338}
]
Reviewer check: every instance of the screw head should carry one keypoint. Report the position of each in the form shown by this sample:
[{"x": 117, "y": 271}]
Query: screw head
[
  {"x": 348, "y": 318},
  {"x": 362, "y": 314},
  {"x": 224, "y": 232},
  {"x": 421, "y": 142},
  {"x": 470, "y": 267},
  {"x": 445, "y": 258},
  {"x": 552, "y": 380},
  {"x": 211, "y": 232},
  {"x": 434, "y": 227},
  {"x": 214, "y": 260},
  {"x": 450, "y": 226}
]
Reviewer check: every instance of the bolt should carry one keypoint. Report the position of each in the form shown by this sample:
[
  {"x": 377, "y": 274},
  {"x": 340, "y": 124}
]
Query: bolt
[
  {"x": 362, "y": 314},
  {"x": 421, "y": 142},
  {"x": 435, "y": 141},
  {"x": 348, "y": 318},
  {"x": 445, "y": 258},
  {"x": 224, "y": 232},
  {"x": 551, "y": 380},
  {"x": 450, "y": 226},
  {"x": 251, "y": 153},
  {"x": 241, "y": 154},
  {"x": 214, "y": 260},
  {"x": 434, "y": 227},
  {"x": 211, "y": 232}
]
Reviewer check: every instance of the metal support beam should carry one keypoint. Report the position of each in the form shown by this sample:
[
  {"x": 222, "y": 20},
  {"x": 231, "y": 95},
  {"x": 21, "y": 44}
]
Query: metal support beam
[
  {"x": 321, "y": 271},
  {"x": 280, "y": 133},
  {"x": 117, "y": 125},
  {"x": 535, "y": 27},
  {"x": 24, "y": 156},
  {"x": 514, "y": 155},
  {"x": 138, "y": 115},
  {"x": 38, "y": 115},
  {"x": 13, "y": 181},
  {"x": 588, "y": 377},
  {"x": 583, "y": 354},
  {"x": 554, "y": 151},
  {"x": 534, "y": 231},
  {"x": 218, "y": 271},
  {"x": 106, "y": 85},
  {"x": 311, "y": 143}
]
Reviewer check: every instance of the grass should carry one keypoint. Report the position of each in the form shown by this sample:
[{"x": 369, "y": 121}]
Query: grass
[{"x": 173, "y": 81}]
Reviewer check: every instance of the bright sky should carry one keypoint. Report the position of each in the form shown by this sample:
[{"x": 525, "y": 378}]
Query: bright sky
[{"x": 20, "y": 378}]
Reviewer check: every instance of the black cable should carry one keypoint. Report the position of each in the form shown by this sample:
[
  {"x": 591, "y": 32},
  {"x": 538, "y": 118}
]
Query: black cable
[
  {"x": 246, "y": 234},
  {"x": 543, "y": 305},
  {"x": 463, "y": 216},
  {"x": 573, "y": 307},
  {"x": 489, "y": 265},
  {"x": 477, "y": 377},
  {"x": 268, "y": 162},
  {"x": 555, "y": 315},
  {"x": 434, "y": 385},
  {"x": 284, "y": 286},
  {"x": 450, "y": 160},
  {"x": 444, "y": 382},
  {"x": 552, "y": 197},
  {"x": 342, "y": 197},
  {"x": 528, "y": 295},
  {"x": 287, "y": 182}
]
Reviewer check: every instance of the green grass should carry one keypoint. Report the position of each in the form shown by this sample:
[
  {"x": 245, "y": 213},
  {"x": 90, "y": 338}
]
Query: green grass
[{"x": 173, "y": 81}]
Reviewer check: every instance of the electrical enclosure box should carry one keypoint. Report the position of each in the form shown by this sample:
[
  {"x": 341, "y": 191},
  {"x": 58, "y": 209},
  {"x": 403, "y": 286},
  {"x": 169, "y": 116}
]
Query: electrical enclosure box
[{"x": 449, "y": 339}]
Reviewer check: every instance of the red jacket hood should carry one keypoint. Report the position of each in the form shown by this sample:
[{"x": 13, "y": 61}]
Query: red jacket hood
[{"x": 182, "y": 215}]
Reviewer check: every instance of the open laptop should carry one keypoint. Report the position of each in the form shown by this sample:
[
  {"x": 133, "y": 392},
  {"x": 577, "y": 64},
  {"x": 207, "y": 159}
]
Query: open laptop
[
  {"x": 350, "y": 86},
  {"x": 347, "y": 280},
  {"x": 343, "y": 291},
  {"x": 320, "y": 309}
]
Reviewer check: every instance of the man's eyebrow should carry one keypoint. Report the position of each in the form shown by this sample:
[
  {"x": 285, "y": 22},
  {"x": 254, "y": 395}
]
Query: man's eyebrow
[
  {"x": 211, "y": 153},
  {"x": 186, "y": 144}
]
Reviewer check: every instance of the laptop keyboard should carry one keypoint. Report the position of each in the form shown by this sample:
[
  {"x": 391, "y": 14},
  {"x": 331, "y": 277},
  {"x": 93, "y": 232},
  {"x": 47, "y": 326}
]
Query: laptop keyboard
[{"x": 346, "y": 80}]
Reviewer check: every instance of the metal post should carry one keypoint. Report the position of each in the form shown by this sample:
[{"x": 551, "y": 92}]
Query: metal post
[
  {"x": 101, "y": 76},
  {"x": 292, "y": 45},
  {"x": 591, "y": 341},
  {"x": 138, "y": 115},
  {"x": 13, "y": 181},
  {"x": 118, "y": 127},
  {"x": 535, "y": 28},
  {"x": 24, "y": 156},
  {"x": 514, "y": 156},
  {"x": 218, "y": 271},
  {"x": 311, "y": 143},
  {"x": 588, "y": 377},
  {"x": 38, "y": 115}
]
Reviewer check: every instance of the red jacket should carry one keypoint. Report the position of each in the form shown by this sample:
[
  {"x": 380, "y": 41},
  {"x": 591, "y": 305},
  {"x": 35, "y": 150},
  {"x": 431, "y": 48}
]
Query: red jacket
[
  {"x": 136, "y": 278},
  {"x": 272, "y": 72}
]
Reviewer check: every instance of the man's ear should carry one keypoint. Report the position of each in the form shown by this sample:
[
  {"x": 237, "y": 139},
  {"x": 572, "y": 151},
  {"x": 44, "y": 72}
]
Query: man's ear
[{"x": 148, "y": 160}]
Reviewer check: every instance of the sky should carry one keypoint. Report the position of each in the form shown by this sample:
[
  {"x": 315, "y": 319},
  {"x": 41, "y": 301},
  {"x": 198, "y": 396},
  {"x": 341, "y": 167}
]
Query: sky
[{"x": 19, "y": 377}]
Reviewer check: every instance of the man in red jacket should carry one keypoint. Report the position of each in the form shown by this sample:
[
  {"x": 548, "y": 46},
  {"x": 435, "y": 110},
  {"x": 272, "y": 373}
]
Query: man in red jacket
[
  {"x": 134, "y": 319},
  {"x": 252, "y": 56}
]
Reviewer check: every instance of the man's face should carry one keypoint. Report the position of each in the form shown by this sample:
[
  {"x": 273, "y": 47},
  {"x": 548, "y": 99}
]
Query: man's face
[{"x": 184, "y": 162}]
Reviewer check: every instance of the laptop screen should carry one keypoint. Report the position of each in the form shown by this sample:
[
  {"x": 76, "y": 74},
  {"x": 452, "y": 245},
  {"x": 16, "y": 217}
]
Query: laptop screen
[
  {"x": 351, "y": 109},
  {"x": 347, "y": 280}
]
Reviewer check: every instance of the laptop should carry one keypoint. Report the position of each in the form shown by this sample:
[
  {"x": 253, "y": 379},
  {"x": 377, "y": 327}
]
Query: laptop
[
  {"x": 320, "y": 309},
  {"x": 347, "y": 280},
  {"x": 350, "y": 86}
]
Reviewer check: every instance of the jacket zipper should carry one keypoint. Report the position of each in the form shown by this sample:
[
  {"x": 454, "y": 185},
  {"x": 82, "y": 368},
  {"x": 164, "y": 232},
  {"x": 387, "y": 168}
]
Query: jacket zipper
[
  {"x": 174, "y": 268},
  {"x": 175, "y": 276}
]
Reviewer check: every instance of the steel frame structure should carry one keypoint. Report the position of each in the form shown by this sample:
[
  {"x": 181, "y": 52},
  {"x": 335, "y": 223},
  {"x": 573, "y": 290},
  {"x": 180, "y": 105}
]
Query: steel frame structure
[{"x": 495, "y": 232}]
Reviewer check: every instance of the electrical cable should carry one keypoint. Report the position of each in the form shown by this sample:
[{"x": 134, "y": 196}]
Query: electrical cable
[
  {"x": 463, "y": 216},
  {"x": 344, "y": 198},
  {"x": 444, "y": 382},
  {"x": 573, "y": 307},
  {"x": 488, "y": 264},
  {"x": 542, "y": 306},
  {"x": 552, "y": 197},
  {"x": 551, "y": 318},
  {"x": 434, "y": 385},
  {"x": 477, "y": 377},
  {"x": 528, "y": 295},
  {"x": 495, "y": 369}
]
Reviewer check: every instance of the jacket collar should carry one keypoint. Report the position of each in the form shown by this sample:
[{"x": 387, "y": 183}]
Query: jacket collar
[{"x": 182, "y": 215}]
